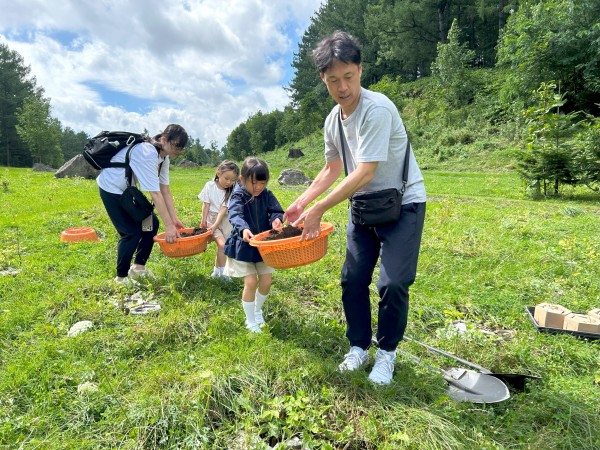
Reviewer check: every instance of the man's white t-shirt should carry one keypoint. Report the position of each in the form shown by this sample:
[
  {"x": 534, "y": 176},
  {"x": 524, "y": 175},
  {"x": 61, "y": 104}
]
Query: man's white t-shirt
[{"x": 144, "y": 161}]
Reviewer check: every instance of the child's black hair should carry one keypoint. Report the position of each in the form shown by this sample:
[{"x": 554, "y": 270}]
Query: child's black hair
[{"x": 255, "y": 169}]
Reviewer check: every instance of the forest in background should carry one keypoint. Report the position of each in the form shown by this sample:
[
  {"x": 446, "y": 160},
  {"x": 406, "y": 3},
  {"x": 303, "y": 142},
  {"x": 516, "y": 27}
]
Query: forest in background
[{"x": 468, "y": 76}]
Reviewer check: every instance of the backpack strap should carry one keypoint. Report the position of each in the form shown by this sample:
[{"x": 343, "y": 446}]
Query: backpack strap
[
  {"x": 132, "y": 140},
  {"x": 128, "y": 170}
]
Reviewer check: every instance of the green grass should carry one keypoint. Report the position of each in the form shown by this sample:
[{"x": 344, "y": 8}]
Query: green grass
[{"x": 193, "y": 377}]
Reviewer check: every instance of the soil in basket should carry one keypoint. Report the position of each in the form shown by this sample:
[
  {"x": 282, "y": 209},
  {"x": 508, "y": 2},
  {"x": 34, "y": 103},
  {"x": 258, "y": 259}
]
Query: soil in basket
[
  {"x": 286, "y": 232},
  {"x": 194, "y": 232}
]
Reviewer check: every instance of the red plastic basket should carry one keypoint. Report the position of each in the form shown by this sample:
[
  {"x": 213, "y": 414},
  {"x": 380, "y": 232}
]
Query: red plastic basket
[
  {"x": 185, "y": 246},
  {"x": 291, "y": 252}
]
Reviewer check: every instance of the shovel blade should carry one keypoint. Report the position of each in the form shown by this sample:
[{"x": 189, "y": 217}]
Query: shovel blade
[
  {"x": 515, "y": 380},
  {"x": 470, "y": 386}
]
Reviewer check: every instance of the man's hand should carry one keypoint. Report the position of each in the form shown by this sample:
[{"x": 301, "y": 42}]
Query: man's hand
[
  {"x": 312, "y": 223},
  {"x": 293, "y": 212}
]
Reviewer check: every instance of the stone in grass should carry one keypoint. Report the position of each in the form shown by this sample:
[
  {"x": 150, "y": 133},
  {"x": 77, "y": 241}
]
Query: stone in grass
[
  {"x": 294, "y": 443},
  {"x": 292, "y": 177},
  {"x": 87, "y": 388},
  {"x": 80, "y": 327},
  {"x": 10, "y": 272}
]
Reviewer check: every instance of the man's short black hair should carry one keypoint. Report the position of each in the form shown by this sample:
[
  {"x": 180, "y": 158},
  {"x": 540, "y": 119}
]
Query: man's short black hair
[{"x": 339, "y": 46}]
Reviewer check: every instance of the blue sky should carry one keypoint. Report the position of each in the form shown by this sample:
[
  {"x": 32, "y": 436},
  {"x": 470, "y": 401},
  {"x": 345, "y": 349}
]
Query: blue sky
[{"x": 135, "y": 65}]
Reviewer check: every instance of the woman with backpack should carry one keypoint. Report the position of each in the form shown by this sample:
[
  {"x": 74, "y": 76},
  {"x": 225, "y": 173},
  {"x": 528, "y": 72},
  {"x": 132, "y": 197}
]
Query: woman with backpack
[{"x": 149, "y": 163}]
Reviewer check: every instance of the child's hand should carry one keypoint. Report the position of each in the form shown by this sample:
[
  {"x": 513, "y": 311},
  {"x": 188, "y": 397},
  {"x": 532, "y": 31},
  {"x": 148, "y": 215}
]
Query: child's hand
[
  {"x": 203, "y": 224},
  {"x": 247, "y": 235},
  {"x": 277, "y": 224}
]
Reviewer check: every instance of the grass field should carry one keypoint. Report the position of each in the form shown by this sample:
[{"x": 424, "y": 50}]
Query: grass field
[{"x": 191, "y": 376}]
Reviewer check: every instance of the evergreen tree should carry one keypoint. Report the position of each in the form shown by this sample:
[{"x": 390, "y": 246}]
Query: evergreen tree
[
  {"x": 16, "y": 85},
  {"x": 548, "y": 158},
  {"x": 450, "y": 69}
]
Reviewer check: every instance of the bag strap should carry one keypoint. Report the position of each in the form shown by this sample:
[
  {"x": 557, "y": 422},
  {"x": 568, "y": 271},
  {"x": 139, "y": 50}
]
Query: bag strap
[
  {"x": 406, "y": 155},
  {"x": 129, "y": 171}
]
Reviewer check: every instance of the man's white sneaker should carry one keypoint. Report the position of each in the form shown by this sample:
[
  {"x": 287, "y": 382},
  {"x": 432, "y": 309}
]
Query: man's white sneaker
[
  {"x": 260, "y": 320},
  {"x": 383, "y": 369},
  {"x": 253, "y": 327},
  {"x": 354, "y": 359}
]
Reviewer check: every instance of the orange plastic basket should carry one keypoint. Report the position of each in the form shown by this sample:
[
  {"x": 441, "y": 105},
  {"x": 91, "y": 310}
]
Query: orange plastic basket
[
  {"x": 79, "y": 234},
  {"x": 185, "y": 246},
  {"x": 291, "y": 252}
]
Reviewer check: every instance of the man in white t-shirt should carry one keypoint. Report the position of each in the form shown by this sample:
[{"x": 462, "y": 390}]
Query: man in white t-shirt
[
  {"x": 150, "y": 165},
  {"x": 375, "y": 150}
]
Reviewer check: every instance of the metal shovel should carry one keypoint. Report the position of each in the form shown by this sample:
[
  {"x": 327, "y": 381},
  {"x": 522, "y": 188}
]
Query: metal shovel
[
  {"x": 516, "y": 380},
  {"x": 467, "y": 385}
]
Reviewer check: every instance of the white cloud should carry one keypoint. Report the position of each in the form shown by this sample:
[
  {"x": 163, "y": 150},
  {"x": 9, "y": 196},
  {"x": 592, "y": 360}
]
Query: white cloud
[{"x": 206, "y": 64}]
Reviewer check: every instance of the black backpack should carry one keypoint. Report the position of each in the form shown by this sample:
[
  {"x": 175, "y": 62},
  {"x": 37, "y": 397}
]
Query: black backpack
[{"x": 100, "y": 149}]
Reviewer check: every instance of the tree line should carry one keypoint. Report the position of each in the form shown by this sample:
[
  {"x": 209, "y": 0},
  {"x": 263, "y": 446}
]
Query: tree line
[
  {"x": 530, "y": 67},
  {"x": 527, "y": 68},
  {"x": 29, "y": 134}
]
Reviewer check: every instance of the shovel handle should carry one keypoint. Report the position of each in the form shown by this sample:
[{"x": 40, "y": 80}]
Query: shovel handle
[{"x": 450, "y": 355}]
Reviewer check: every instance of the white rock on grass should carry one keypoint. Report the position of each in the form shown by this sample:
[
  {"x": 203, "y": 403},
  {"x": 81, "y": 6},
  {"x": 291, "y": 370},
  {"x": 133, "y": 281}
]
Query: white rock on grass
[
  {"x": 87, "y": 388},
  {"x": 9, "y": 272},
  {"x": 80, "y": 327}
]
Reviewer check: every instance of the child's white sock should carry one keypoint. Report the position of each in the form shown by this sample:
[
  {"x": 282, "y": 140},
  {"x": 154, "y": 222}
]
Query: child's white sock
[
  {"x": 259, "y": 300},
  {"x": 249, "y": 311},
  {"x": 250, "y": 317}
]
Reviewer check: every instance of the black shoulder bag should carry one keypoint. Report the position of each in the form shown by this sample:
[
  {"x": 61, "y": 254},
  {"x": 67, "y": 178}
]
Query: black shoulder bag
[
  {"x": 375, "y": 208},
  {"x": 133, "y": 200}
]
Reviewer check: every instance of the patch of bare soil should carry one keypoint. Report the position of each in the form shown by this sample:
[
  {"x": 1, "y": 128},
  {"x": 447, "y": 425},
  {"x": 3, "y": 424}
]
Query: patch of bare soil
[
  {"x": 195, "y": 232},
  {"x": 286, "y": 232}
]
